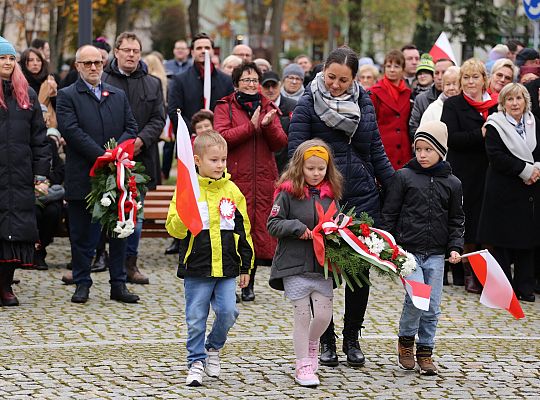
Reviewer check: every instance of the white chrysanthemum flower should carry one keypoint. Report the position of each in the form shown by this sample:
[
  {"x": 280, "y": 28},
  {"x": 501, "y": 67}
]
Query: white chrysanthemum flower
[
  {"x": 139, "y": 205},
  {"x": 409, "y": 266},
  {"x": 374, "y": 243},
  {"x": 105, "y": 201}
]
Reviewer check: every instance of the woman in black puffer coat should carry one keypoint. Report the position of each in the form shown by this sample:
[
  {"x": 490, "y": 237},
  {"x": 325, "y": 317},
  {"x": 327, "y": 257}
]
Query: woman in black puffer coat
[
  {"x": 24, "y": 166},
  {"x": 336, "y": 109}
]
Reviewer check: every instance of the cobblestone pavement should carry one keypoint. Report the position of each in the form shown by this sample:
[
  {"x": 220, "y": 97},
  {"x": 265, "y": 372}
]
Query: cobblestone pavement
[{"x": 53, "y": 349}]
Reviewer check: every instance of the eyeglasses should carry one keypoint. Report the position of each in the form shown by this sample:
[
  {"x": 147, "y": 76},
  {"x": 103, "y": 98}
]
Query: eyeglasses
[
  {"x": 129, "y": 51},
  {"x": 253, "y": 81},
  {"x": 294, "y": 78},
  {"x": 88, "y": 64}
]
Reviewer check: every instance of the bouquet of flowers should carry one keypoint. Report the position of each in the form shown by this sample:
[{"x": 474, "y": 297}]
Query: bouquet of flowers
[
  {"x": 117, "y": 183},
  {"x": 348, "y": 247}
]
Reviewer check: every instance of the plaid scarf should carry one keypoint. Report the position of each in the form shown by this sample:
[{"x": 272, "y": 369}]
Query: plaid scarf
[{"x": 341, "y": 112}]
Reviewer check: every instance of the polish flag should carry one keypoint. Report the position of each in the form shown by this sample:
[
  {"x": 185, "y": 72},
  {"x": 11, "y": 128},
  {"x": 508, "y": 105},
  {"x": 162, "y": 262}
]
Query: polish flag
[
  {"x": 207, "y": 80},
  {"x": 498, "y": 292},
  {"x": 418, "y": 292},
  {"x": 442, "y": 49},
  {"x": 187, "y": 184}
]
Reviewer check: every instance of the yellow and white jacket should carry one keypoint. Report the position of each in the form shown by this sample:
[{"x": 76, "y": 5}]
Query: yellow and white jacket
[{"x": 224, "y": 247}]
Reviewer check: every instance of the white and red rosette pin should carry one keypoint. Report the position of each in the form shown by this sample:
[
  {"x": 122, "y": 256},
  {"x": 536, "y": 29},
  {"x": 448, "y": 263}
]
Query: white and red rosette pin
[{"x": 227, "y": 208}]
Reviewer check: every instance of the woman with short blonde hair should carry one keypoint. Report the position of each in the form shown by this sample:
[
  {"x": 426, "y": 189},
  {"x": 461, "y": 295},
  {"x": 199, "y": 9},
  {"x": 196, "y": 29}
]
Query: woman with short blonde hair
[{"x": 465, "y": 115}]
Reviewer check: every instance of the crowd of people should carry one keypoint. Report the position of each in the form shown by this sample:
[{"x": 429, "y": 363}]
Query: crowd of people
[{"x": 444, "y": 157}]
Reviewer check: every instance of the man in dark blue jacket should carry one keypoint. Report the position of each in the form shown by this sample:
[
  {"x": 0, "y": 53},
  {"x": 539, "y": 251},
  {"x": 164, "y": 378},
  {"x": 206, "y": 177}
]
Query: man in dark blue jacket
[
  {"x": 90, "y": 113},
  {"x": 129, "y": 73},
  {"x": 186, "y": 93}
]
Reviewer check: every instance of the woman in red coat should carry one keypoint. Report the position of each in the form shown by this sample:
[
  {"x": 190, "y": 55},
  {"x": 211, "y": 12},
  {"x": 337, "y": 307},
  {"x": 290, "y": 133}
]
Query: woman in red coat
[
  {"x": 391, "y": 99},
  {"x": 250, "y": 125}
]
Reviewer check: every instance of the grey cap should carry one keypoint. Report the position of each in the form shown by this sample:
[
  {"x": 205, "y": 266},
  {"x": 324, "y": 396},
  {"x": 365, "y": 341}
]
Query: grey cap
[{"x": 293, "y": 69}]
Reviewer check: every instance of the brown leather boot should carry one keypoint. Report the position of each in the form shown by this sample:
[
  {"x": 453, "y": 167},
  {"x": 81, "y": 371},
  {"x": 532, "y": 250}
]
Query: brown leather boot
[
  {"x": 472, "y": 285},
  {"x": 133, "y": 273}
]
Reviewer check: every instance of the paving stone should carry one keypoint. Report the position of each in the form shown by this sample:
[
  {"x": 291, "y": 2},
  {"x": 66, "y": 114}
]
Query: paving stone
[{"x": 51, "y": 348}]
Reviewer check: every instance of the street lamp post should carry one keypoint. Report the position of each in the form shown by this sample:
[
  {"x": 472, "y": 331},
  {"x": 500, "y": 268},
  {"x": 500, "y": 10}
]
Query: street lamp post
[{"x": 85, "y": 22}]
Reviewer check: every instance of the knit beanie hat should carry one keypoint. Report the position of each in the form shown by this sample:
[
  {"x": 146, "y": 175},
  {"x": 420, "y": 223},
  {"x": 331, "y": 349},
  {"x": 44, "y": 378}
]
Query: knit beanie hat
[
  {"x": 426, "y": 64},
  {"x": 293, "y": 69},
  {"x": 436, "y": 134},
  {"x": 6, "y": 48}
]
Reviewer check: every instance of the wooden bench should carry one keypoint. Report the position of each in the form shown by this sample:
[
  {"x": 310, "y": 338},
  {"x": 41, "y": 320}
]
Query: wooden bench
[{"x": 156, "y": 207}]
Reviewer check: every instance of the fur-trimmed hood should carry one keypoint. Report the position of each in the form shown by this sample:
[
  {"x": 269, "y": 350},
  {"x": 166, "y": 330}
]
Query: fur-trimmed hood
[{"x": 287, "y": 186}]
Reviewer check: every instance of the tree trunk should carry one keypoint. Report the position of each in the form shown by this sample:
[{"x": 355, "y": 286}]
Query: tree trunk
[
  {"x": 355, "y": 25},
  {"x": 122, "y": 17},
  {"x": 4, "y": 17},
  {"x": 256, "y": 12},
  {"x": 52, "y": 36},
  {"x": 275, "y": 30},
  {"x": 193, "y": 12},
  {"x": 61, "y": 28}
]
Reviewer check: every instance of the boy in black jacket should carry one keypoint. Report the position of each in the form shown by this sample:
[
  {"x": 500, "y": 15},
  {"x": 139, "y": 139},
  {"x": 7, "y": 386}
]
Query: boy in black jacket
[{"x": 423, "y": 210}]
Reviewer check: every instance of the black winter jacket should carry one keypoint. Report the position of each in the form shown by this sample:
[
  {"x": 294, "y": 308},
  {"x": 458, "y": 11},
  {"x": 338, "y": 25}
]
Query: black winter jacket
[
  {"x": 87, "y": 124},
  {"x": 362, "y": 161},
  {"x": 186, "y": 93},
  {"x": 23, "y": 153},
  {"x": 145, "y": 97},
  {"x": 423, "y": 209}
]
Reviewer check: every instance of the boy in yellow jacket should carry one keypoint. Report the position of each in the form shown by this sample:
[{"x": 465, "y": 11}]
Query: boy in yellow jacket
[{"x": 210, "y": 262}]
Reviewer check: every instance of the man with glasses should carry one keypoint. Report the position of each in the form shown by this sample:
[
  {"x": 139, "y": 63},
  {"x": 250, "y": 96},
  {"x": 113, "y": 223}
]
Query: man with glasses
[
  {"x": 186, "y": 93},
  {"x": 271, "y": 89},
  {"x": 293, "y": 82},
  {"x": 89, "y": 113},
  {"x": 181, "y": 61},
  {"x": 243, "y": 51},
  {"x": 126, "y": 72}
]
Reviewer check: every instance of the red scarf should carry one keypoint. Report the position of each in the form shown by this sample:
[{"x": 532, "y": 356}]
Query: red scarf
[
  {"x": 200, "y": 68},
  {"x": 393, "y": 90},
  {"x": 483, "y": 106}
]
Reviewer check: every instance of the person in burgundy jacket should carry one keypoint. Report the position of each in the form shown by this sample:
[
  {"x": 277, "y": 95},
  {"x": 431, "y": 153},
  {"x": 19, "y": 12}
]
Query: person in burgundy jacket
[
  {"x": 250, "y": 124},
  {"x": 391, "y": 99}
]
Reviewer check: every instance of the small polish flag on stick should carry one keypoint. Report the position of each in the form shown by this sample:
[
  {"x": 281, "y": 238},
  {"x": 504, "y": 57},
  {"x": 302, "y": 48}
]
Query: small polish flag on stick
[
  {"x": 207, "y": 80},
  {"x": 442, "y": 49},
  {"x": 187, "y": 183},
  {"x": 418, "y": 292},
  {"x": 498, "y": 292}
]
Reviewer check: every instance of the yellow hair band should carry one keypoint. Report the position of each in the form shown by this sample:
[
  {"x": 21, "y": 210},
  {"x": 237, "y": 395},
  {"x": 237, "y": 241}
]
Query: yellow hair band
[{"x": 318, "y": 151}]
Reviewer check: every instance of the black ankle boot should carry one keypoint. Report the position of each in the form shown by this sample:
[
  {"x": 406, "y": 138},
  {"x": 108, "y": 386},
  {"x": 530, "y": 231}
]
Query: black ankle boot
[
  {"x": 351, "y": 347},
  {"x": 328, "y": 352},
  {"x": 248, "y": 294}
]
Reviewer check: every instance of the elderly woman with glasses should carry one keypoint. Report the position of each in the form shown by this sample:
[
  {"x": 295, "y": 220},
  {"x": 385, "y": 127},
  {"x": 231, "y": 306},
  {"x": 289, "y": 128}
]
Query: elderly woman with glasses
[
  {"x": 510, "y": 218},
  {"x": 250, "y": 124}
]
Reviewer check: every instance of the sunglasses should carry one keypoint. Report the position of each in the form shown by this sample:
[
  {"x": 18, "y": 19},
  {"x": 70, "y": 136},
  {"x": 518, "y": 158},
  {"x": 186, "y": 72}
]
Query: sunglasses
[{"x": 88, "y": 64}]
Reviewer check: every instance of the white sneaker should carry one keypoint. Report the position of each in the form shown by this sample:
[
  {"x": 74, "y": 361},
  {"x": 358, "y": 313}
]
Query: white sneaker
[
  {"x": 195, "y": 374},
  {"x": 213, "y": 367}
]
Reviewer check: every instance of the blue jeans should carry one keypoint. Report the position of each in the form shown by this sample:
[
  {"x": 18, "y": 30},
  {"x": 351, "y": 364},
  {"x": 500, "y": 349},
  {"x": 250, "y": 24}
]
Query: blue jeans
[
  {"x": 134, "y": 239},
  {"x": 199, "y": 294},
  {"x": 429, "y": 270}
]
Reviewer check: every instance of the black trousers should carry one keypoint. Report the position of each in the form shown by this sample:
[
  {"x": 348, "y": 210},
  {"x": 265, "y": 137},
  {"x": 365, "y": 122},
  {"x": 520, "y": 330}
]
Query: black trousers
[
  {"x": 48, "y": 219},
  {"x": 355, "y": 309},
  {"x": 523, "y": 259}
]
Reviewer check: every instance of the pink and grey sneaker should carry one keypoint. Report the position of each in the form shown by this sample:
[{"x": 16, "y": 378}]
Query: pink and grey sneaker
[
  {"x": 304, "y": 373},
  {"x": 313, "y": 353}
]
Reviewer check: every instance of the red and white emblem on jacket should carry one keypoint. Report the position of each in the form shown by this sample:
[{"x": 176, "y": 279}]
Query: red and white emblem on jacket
[
  {"x": 275, "y": 210},
  {"x": 227, "y": 208}
]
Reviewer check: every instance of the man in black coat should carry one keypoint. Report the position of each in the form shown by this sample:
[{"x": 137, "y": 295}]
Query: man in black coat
[
  {"x": 186, "y": 89},
  {"x": 89, "y": 113},
  {"x": 129, "y": 73},
  {"x": 186, "y": 93},
  {"x": 271, "y": 89}
]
